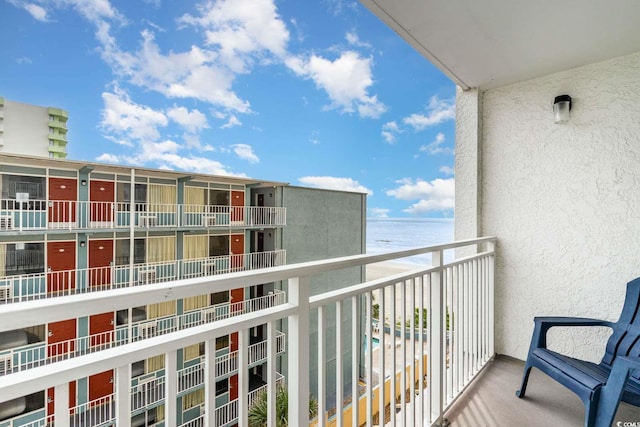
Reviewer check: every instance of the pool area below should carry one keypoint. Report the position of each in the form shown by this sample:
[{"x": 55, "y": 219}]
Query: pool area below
[{"x": 374, "y": 340}]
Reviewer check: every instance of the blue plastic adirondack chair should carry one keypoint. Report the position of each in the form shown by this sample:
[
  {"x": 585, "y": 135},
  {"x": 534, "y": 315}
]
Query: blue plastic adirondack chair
[{"x": 600, "y": 386}]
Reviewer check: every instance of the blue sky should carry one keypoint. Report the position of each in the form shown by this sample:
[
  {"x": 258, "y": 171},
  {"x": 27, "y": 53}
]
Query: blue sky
[{"x": 318, "y": 93}]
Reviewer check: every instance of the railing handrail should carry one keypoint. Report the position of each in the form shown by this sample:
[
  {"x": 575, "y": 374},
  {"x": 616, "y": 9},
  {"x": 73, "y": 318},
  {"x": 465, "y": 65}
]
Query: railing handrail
[
  {"x": 22, "y": 315},
  {"x": 13, "y": 317}
]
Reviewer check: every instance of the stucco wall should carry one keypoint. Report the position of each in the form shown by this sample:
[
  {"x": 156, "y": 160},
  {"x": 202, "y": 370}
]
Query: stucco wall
[{"x": 563, "y": 200}]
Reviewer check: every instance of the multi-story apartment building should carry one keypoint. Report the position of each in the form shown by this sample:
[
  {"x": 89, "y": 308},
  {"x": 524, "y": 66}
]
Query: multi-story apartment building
[
  {"x": 32, "y": 130},
  {"x": 69, "y": 228}
]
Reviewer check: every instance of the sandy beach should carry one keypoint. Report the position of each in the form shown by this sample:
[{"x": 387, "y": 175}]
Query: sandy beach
[{"x": 385, "y": 269}]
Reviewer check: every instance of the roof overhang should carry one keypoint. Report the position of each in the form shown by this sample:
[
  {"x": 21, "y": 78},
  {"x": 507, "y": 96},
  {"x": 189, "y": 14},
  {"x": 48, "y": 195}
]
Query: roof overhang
[
  {"x": 90, "y": 167},
  {"x": 491, "y": 43}
]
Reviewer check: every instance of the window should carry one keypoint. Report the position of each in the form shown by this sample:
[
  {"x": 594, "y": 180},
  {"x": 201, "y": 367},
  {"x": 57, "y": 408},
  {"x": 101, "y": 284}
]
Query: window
[
  {"x": 123, "y": 251},
  {"x": 222, "y": 342},
  {"x": 218, "y": 198},
  {"x": 193, "y": 399},
  {"x": 24, "y": 258},
  {"x": 124, "y": 195},
  {"x": 219, "y": 297},
  {"x": 23, "y": 192},
  {"x": 218, "y": 245},
  {"x": 222, "y": 386}
]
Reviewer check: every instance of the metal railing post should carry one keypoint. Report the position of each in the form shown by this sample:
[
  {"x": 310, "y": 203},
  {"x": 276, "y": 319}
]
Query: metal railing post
[
  {"x": 298, "y": 353},
  {"x": 437, "y": 338}
]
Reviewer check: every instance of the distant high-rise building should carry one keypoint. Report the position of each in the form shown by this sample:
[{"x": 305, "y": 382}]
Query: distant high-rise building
[{"x": 32, "y": 130}]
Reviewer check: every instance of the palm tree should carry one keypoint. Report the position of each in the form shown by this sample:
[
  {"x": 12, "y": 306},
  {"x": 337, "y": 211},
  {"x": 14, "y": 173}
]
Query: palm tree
[{"x": 258, "y": 411}]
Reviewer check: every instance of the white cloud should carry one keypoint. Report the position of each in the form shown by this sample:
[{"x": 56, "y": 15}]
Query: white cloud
[
  {"x": 96, "y": 11},
  {"x": 447, "y": 170},
  {"x": 437, "y": 195},
  {"x": 346, "y": 81},
  {"x": 126, "y": 118},
  {"x": 191, "y": 74},
  {"x": 192, "y": 121},
  {"x": 245, "y": 151},
  {"x": 379, "y": 212},
  {"x": 24, "y": 60},
  {"x": 334, "y": 183},
  {"x": 389, "y": 132},
  {"x": 38, "y": 12},
  {"x": 243, "y": 30},
  {"x": 193, "y": 163},
  {"x": 108, "y": 158},
  {"x": 435, "y": 147},
  {"x": 353, "y": 39},
  {"x": 232, "y": 122},
  {"x": 439, "y": 111}
]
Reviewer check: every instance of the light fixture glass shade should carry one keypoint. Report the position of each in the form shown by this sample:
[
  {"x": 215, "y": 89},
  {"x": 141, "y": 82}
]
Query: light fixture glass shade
[{"x": 562, "y": 108}]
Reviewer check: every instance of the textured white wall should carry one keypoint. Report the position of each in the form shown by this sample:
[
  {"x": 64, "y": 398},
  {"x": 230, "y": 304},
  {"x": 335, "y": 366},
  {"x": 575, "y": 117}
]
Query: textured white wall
[{"x": 563, "y": 200}]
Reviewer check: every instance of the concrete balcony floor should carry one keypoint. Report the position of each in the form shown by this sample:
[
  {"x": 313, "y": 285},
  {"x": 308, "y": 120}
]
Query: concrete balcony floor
[{"x": 491, "y": 401}]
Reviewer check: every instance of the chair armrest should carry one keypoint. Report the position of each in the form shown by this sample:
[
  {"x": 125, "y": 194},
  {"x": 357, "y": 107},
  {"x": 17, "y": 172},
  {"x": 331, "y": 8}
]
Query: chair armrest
[{"x": 543, "y": 324}]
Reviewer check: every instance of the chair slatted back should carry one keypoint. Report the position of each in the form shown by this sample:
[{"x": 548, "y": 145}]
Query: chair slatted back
[{"x": 625, "y": 340}]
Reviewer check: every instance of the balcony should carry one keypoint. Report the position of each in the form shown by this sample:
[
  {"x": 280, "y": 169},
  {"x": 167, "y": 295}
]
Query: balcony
[
  {"x": 31, "y": 355},
  {"x": 441, "y": 357},
  {"x": 58, "y": 124},
  {"x": 42, "y": 215},
  {"x": 54, "y": 284}
]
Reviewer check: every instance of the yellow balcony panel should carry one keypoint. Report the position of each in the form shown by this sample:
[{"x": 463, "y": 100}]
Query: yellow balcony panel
[
  {"x": 57, "y": 124},
  {"x": 58, "y": 149},
  {"x": 58, "y": 112},
  {"x": 59, "y": 137}
]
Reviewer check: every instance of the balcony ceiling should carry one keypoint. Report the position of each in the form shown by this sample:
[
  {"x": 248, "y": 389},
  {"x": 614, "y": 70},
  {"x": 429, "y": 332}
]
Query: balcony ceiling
[{"x": 491, "y": 43}]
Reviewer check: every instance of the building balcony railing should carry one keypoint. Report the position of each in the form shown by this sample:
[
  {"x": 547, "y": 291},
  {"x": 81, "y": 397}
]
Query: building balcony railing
[
  {"x": 438, "y": 329},
  {"x": 147, "y": 393},
  {"x": 52, "y": 284},
  {"x": 192, "y": 377},
  {"x": 58, "y": 124},
  {"x": 33, "y": 215},
  {"x": 36, "y": 354}
]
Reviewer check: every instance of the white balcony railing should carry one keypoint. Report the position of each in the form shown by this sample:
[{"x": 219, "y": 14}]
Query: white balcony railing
[
  {"x": 226, "y": 364},
  {"x": 36, "y": 354},
  {"x": 254, "y": 394},
  {"x": 423, "y": 349},
  {"x": 29, "y": 215},
  {"x": 98, "y": 412},
  {"x": 147, "y": 393},
  {"x": 51, "y": 284}
]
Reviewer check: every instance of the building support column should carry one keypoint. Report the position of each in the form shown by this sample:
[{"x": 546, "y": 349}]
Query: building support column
[
  {"x": 171, "y": 388},
  {"x": 210, "y": 382},
  {"x": 61, "y": 405},
  {"x": 468, "y": 166},
  {"x": 123, "y": 401}
]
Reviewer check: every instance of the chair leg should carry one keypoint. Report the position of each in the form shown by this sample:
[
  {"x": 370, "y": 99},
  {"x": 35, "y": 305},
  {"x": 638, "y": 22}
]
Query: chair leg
[
  {"x": 590, "y": 414},
  {"x": 525, "y": 379}
]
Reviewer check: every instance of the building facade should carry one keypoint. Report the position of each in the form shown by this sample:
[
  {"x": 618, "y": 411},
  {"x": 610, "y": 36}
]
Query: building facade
[
  {"x": 70, "y": 228},
  {"x": 32, "y": 130}
]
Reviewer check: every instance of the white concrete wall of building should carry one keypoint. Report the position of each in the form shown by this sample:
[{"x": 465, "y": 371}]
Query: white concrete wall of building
[
  {"x": 563, "y": 200},
  {"x": 26, "y": 129}
]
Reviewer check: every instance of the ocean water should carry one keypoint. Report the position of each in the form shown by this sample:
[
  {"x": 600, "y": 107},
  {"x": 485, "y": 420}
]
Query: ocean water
[{"x": 395, "y": 234}]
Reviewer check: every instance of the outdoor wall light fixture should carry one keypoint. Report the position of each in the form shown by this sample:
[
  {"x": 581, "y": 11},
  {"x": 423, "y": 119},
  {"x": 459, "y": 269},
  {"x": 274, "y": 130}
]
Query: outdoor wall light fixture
[
  {"x": 83, "y": 182},
  {"x": 82, "y": 243},
  {"x": 561, "y": 108}
]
